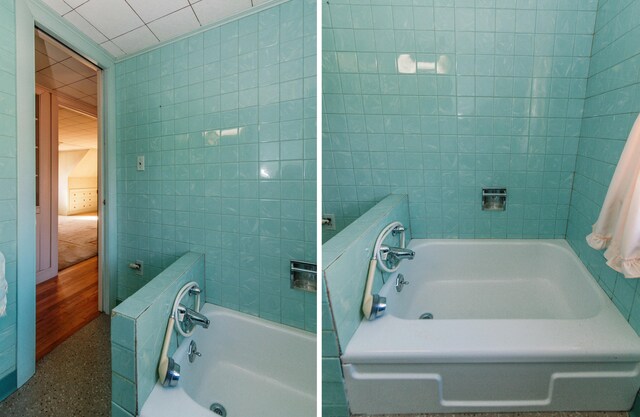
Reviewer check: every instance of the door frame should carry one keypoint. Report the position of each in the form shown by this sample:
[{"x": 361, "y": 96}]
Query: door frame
[{"x": 29, "y": 15}]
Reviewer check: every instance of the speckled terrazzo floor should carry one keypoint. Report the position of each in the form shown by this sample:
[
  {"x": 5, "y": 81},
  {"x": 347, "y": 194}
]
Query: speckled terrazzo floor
[
  {"x": 74, "y": 380},
  {"x": 550, "y": 414}
]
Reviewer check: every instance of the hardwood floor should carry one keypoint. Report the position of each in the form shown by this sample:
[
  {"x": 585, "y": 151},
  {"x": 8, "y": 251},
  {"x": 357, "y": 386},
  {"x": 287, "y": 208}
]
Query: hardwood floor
[{"x": 65, "y": 304}]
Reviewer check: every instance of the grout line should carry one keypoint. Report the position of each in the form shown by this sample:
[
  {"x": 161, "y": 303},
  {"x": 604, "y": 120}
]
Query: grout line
[{"x": 142, "y": 20}]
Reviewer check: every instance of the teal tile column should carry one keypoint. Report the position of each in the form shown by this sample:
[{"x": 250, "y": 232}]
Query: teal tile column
[
  {"x": 226, "y": 121},
  {"x": 8, "y": 197}
]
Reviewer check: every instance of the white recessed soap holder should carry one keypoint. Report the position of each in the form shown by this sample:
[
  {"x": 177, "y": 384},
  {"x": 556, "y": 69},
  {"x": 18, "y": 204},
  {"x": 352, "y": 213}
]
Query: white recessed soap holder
[
  {"x": 303, "y": 276},
  {"x": 494, "y": 199}
]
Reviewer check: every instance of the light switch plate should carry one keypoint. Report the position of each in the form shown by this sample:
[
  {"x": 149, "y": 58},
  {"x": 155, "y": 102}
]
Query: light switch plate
[{"x": 141, "y": 163}]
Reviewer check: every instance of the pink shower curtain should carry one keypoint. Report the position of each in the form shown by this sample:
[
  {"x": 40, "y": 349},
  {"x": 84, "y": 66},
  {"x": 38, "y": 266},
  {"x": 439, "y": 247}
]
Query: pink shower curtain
[{"x": 618, "y": 226}]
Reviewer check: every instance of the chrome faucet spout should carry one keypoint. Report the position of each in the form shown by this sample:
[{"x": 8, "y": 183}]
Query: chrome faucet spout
[
  {"x": 396, "y": 254},
  {"x": 192, "y": 317}
]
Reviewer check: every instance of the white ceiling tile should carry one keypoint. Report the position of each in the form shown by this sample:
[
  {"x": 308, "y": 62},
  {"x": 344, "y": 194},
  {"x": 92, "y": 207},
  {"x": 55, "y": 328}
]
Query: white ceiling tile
[
  {"x": 42, "y": 61},
  {"x": 112, "y": 48},
  {"x": 111, "y": 17},
  {"x": 78, "y": 66},
  {"x": 150, "y": 10},
  {"x": 54, "y": 53},
  {"x": 175, "y": 24},
  {"x": 84, "y": 26},
  {"x": 58, "y": 6},
  {"x": 85, "y": 86},
  {"x": 47, "y": 81},
  {"x": 136, "y": 40},
  {"x": 209, "y": 11},
  {"x": 75, "y": 3},
  {"x": 61, "y": 73}
]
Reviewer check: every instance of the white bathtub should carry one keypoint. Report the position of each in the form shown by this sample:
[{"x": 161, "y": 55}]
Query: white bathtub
[
  {"x": 253, "y": 367},
  {"x": 519, "y": 325}
]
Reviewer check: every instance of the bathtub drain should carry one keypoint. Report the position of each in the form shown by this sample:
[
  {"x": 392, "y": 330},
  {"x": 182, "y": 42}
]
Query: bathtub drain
[
  {"x": 218, "y": 409},
  {"x": 426, "y": 316}
]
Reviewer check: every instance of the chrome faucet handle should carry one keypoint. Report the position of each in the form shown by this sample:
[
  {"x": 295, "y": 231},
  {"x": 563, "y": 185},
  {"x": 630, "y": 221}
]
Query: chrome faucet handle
[
  {"x": 194, "y": 290},
  {"x": 400, "y": 282},
  {"x": 193, "y": 351}
]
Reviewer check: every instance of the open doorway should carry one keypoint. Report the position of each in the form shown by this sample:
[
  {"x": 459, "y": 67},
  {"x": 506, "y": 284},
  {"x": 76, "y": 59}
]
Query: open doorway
[
  {"x": 77, "y": 187},
  {"x": 67, "y": 193}
]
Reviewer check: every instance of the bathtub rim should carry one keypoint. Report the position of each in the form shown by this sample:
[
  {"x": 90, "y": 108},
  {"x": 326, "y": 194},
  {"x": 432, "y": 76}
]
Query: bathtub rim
[{"x": 385, "y": 340}]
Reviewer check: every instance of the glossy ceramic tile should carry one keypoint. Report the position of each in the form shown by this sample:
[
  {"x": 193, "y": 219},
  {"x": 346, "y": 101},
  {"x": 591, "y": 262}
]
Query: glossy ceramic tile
[
  {"x": 226, "y": 121},
  {"x": 8, "y": 182},
  {"x": 611, "y": 107},
  {"x": 137, "y": 331},
  {"x": 439, "y": 99}
]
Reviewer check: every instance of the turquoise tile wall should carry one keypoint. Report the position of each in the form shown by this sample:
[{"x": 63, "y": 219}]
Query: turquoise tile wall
[
  {"x": 346, "y": 256},
  {"x": 438, "y": 98},
  {"x": 137, "y": 332},
  {"x": 8, "y": 182},
  {"x": 226, "y": 121},
  {"x": 611, "y": 107},
  {"x": 334, "y": 396}
]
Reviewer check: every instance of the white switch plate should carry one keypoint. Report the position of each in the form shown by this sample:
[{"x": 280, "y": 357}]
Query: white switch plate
[{"x": 141, "y": 163}]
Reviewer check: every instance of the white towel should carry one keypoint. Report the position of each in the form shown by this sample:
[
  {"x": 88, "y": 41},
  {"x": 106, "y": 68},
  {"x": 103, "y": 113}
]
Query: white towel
[
  {"x": 618, "y": 226},
  {"x": 3, "y": 287}
]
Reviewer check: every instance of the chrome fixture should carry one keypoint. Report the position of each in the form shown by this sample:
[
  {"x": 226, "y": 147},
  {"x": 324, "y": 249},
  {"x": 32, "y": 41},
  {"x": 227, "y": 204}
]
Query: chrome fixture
[
  {"x": 137, "y": 266},
  {"x": 168, "y": 369},
  {"x": 387, "y": 259},
  {"x": 190, "y": 318},
  {"x": 329, "y": 221},
  {"x": 494, "y": 199},
  {"x": 426, "y": 316},
  {"x": 378, "y": 306},
  {"x": 393, "y": 255},
  {"x": 218, "y": 409},
  {"x": 193, "y": 351},
  {"x": 172, "y": 375},
  {"x": 303, "y": 276},
  {"x": 397, "y": 229},
  {"x": 400, "y": 282}
]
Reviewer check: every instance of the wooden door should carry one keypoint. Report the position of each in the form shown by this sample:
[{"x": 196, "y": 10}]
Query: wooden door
[{"x": 46, "y": 185}]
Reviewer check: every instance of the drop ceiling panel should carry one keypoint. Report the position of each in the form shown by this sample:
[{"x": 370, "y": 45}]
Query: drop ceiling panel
[
  {"x": 63, "y": 72},
  {"x": 150, "y": 10},
  {"x": 136, "y": 40},
  {"x": 209, "y": 11},
  {"x": 111, "y": 17},
  {"x": 175, "y": 24},
  {"x": 87, "y": 28},
  {"x": 124, "y": 27}
]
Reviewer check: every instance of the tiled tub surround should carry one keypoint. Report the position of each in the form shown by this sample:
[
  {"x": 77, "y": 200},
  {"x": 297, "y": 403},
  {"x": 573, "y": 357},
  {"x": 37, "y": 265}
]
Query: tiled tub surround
[
  {"x": 436, "y": 99},
  {"x": 345, "y": 262},
  {"x": 138, "y": 327},
  {"x": 611, "y": 106},
  {"x": 226, "y": 122},
  {"x": 8, "y": 197}
]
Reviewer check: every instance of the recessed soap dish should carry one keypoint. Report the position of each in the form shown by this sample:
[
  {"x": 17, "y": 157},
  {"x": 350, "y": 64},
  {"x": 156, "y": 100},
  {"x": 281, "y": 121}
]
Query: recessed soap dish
[
  {"x": 494, "y": 199},
  {"x": 303, "y": 276}
]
